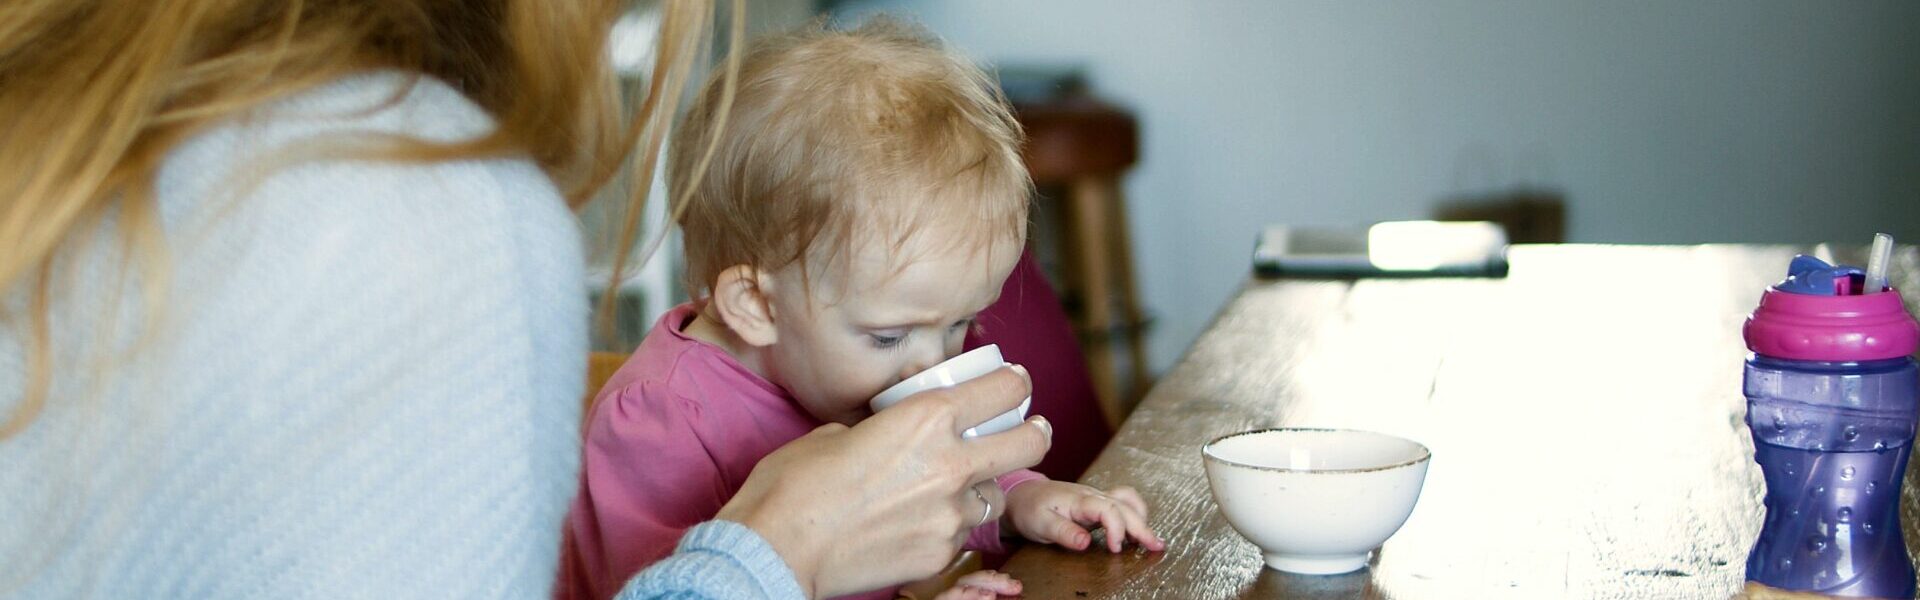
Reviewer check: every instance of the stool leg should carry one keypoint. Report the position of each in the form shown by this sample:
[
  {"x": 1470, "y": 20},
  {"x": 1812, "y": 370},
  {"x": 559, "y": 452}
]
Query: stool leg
[
  {"x": 1092, "y": 198},
  {"x": 1065, "y": 235},
  {"x": 1134, "y": 319}
]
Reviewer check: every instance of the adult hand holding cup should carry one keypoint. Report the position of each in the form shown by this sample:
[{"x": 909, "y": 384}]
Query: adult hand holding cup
[
  {"x": 888, "y": 500},
  {"x": 968, "y": 365}
]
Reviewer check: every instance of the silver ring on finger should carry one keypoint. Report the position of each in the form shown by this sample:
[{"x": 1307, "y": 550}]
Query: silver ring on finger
[{"x": 985, "y": 512}]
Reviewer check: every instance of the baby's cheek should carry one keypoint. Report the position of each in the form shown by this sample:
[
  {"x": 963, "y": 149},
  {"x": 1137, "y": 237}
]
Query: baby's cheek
[
  {"x": 856, "y": 384},
  {"x": 870, "y": 375}
]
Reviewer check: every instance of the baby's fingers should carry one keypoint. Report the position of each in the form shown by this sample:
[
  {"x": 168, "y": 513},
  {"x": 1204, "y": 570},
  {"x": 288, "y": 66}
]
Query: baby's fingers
[
  {"x": 1130, "y": 497},
  {"x": 1065, "y": 531},
  {"x": 965, "y": 593},
  {"x": 1142, "y": 533},
  {"x": 1114, "y": 520},
  {"x": 992, "y": 581}
]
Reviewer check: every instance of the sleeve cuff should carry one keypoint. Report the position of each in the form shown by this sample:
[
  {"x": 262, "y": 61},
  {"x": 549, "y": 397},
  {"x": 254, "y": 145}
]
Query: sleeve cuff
[
  {"x": 1017, "y": 478},
  {"x": 718, "y": 560},
  {"x": 986, "y": 538}
]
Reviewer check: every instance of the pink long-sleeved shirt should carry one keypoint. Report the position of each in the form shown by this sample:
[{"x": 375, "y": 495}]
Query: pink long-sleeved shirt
[{"x": 671, "y": 437}]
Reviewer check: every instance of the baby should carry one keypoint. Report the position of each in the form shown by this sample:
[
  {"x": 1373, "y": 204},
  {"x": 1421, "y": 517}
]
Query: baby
[{"x": 866, "y": 198}]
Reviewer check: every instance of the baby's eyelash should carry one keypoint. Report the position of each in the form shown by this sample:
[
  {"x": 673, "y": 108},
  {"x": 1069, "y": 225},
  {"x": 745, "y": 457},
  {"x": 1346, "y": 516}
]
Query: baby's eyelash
[{"x": 887, "y": 342}]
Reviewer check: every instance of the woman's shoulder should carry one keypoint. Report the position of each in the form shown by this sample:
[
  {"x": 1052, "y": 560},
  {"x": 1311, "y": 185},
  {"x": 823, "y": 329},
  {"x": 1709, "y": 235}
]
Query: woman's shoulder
[
  {"x": 287, "y": 176},
  {"x": 389, "y": 102},
  {"x": 274, "y": 187},
  {"x": 269, "y": 206},
  {"x": 312, "y": 152}
]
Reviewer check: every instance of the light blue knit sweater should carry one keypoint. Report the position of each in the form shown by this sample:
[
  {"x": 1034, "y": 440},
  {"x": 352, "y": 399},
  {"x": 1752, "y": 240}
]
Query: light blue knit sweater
[{"x": 365, "y": 382}]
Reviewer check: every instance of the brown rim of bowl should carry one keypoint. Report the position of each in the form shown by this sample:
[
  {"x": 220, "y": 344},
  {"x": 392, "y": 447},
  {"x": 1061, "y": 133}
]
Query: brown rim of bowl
[{"x": 1206, "y": 451}]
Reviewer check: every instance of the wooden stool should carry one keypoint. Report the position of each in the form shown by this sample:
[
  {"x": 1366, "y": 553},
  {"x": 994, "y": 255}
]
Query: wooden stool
[{"x": 1081, "y": 145}]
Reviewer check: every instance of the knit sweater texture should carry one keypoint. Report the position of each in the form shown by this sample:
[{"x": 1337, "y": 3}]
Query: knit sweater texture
[{"x": 362, "y": 380}]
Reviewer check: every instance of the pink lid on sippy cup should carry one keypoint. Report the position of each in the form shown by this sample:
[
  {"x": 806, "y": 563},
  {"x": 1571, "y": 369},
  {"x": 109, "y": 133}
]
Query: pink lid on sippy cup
[{"x": 1810, "y": 316}]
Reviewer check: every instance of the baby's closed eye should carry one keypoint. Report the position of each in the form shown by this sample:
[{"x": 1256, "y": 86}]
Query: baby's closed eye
[{"x": 887, "y": 340}]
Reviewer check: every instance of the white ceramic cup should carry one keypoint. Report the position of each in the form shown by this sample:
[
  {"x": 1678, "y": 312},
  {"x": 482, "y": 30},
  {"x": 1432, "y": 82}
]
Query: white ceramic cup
[
  {"x": 968, "y": 365},
  {"x": 1316, "y": 501}
]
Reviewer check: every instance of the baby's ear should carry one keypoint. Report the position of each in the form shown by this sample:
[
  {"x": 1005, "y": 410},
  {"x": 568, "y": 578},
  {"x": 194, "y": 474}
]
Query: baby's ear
[{"x": 740, "y": 296}]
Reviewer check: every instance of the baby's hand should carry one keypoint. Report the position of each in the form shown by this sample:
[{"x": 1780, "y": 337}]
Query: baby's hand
[
  {"x": 1058, "y": 512},
  {"x": 981, "y": 585}
]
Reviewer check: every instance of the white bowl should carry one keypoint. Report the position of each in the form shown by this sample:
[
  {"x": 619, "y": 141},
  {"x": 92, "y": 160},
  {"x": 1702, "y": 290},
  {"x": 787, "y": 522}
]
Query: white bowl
[
  {"x": 968, "y": 365},
  {"x": 1316, "y": 501}
]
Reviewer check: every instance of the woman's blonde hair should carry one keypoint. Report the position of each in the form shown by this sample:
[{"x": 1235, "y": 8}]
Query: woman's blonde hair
[
  {"x": 873, "y": 134},
  {"x": 93, "y": 93}
]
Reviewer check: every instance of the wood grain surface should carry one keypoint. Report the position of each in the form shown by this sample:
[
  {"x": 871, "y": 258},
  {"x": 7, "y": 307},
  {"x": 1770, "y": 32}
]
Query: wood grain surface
[{"x": 1584, "y": 414}]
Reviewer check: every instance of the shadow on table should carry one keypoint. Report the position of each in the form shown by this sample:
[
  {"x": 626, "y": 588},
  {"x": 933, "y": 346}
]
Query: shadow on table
[{"x": 1277, "y": 584}]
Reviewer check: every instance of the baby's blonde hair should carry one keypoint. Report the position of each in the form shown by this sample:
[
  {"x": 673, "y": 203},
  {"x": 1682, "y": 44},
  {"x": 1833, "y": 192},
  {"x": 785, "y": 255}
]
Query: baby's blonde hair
[{"x": 837, "y": 138}]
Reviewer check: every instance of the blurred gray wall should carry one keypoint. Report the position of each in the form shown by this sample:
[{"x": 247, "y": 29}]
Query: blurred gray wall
[{"x": 1663, "y": 122}]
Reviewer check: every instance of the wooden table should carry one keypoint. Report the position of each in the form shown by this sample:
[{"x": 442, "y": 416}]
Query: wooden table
[{"x": 1584, "y": 414}]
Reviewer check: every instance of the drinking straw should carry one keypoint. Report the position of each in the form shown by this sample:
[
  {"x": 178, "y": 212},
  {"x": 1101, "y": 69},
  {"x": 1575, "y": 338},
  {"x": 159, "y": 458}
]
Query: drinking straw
[{"x": 1877, "y": 263}]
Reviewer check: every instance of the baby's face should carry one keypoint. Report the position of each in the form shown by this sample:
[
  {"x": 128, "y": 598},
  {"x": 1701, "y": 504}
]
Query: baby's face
[{"x": 881, "y": 321}]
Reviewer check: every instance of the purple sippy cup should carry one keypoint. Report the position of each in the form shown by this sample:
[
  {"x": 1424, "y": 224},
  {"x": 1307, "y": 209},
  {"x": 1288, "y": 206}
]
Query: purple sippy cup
[{"x": 1832, "y": 398}]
